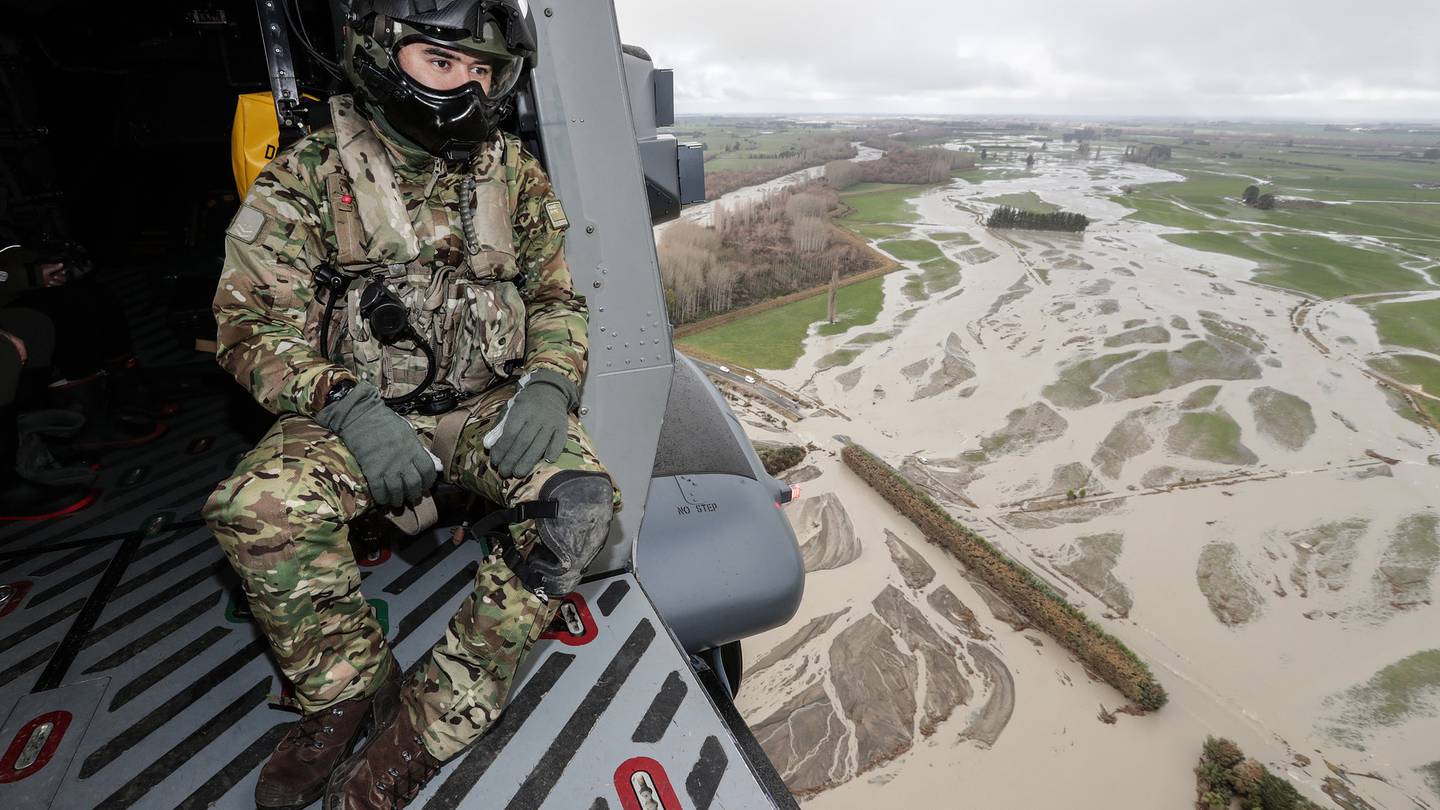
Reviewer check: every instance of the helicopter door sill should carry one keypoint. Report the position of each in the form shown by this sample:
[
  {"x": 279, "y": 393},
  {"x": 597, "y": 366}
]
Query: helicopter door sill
[{"x": 618, "y": 721}]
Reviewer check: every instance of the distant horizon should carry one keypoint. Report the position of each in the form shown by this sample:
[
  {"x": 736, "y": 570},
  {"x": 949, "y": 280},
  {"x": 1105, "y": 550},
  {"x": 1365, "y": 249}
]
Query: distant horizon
[
  {"x": 1356, "y": 122},
  {"x": 1309, "y": 60}
]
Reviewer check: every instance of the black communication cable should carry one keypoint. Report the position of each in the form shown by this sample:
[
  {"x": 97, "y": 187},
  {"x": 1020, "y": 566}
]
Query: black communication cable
[
  {"x": 297, "y": 25},
  {"x": 327, "y": 351},
  {"x": 414, "y": 393},
  {"x": 337, "y": 284}
]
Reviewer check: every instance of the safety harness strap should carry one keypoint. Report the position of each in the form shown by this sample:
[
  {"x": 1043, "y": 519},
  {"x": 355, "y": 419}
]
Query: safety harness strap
[
  {"x": 423, "y": 515},
  {"x": 519, "y": 513},
  {"x": 418, "y": 518},
  {"x": 376, "y": 196},
  {"x": 530, "y": 577},
  {"x": 447, "y": 432},
  {"x": 349, "y": 232}
]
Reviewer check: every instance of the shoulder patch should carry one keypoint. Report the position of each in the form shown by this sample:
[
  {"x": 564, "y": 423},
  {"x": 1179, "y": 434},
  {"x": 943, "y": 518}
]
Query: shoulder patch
[
  {"x": 247, "y": 224},
  {"x": 555, "y": 212}
]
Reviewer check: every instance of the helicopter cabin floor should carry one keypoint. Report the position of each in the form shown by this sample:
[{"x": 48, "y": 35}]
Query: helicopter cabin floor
[{"x": 131, "y": 675}]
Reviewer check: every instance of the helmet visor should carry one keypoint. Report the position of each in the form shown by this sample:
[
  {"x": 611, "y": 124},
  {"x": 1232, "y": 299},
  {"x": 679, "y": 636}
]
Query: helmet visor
[{"x": 443, "y": 64}]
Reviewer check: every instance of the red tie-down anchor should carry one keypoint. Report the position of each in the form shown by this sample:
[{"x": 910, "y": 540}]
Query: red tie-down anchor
[
  {"x": 642, "y": 784},
  {"x": 371, "y": 557},
  {"x": 33, "y": 746},
  {"x": 573, "y": 625},
  {"x": 11, "y": 595}
]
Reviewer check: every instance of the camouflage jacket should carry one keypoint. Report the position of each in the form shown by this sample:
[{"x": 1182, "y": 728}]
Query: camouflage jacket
[{"x": 266, "y": 301}]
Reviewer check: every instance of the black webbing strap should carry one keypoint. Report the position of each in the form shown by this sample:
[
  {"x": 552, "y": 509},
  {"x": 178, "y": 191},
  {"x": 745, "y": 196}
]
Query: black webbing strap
[{"x": 518, "y": 513}]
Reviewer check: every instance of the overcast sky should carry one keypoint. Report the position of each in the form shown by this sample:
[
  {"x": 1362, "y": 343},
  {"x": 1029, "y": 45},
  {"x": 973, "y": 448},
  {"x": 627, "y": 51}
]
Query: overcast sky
[{"x": 1342, "y": 59}]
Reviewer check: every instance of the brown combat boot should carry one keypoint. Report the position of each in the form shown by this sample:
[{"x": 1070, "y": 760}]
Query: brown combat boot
[
  {"x": 386, "y": 773},
  {"x": 297, "y": 771}
]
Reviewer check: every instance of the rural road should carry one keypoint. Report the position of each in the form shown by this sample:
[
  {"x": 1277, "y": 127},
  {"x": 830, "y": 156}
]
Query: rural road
[{"x": 761, "y": 388}]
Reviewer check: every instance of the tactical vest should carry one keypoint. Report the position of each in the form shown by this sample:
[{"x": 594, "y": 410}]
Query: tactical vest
[{"x": 472, "y": 315}]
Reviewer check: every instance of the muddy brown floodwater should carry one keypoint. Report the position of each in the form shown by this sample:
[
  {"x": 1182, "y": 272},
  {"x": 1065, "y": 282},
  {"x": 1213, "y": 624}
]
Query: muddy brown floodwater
[{"x": 1143, "y": 428}]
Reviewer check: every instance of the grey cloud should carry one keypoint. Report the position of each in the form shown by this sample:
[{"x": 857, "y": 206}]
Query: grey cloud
[{"x": 1224, "y": 57}]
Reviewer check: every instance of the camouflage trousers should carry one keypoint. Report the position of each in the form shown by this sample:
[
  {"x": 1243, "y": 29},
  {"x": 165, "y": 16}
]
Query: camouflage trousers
[{"x": 282, "y": 520}]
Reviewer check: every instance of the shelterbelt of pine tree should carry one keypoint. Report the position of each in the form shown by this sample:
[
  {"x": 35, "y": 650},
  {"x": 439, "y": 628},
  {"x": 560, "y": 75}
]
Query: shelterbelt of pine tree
[{"x": 1009, "y": 217}]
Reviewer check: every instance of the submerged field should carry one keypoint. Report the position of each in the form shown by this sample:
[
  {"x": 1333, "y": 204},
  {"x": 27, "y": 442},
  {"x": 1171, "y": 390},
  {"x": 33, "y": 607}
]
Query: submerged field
[
  {"x": 1409, "y": 324},
  {"x": 1187, "y": 421},
  {"x": 775, "y": 339},
  {"x": 881, "y": 202},
  {"x": 1330, "y": 196},
  {"x": 1352, "y": 219},
  {"x": 1024, "y": 200},
  {"x": 1322, "y": 266}
]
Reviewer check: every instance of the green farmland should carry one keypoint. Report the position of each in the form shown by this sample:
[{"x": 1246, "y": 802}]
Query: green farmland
[{"x": 1356, "y": 215}]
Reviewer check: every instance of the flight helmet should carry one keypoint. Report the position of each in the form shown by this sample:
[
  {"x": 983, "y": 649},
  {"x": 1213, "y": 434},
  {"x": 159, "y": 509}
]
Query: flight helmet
[{"x": 449, "y": 124}]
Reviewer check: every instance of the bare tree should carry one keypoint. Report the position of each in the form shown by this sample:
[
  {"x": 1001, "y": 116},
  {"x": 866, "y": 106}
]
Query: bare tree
[
  {"x": 719, "y": 287},
  {"x": 765, "y": 246},
  {"x": 806, "y": 206},
  {"x": 918, "y": 166},
  {"x": 686, "y": 234},
  {"x": 683, "y": 275},
  {"x": 843, "y": 174},
  {"x": 810, "y": 235},
  {"x": 687, "y": 256}
]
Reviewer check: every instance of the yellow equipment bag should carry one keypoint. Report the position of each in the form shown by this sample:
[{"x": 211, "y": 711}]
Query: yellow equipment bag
[{"x": 255, "y": 138}]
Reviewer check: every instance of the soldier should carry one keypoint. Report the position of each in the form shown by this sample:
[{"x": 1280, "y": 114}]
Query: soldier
[{"x": 379, "y": 272}]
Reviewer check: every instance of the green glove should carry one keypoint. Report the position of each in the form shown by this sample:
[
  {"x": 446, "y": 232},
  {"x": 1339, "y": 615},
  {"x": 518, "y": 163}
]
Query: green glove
[
  {"x": 396, "y": 465},
  {"x": 533, "y": 425}
]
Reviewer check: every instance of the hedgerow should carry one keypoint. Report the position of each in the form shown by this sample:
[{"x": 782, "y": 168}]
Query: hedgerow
[{"x": 1101, "y": 653}]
